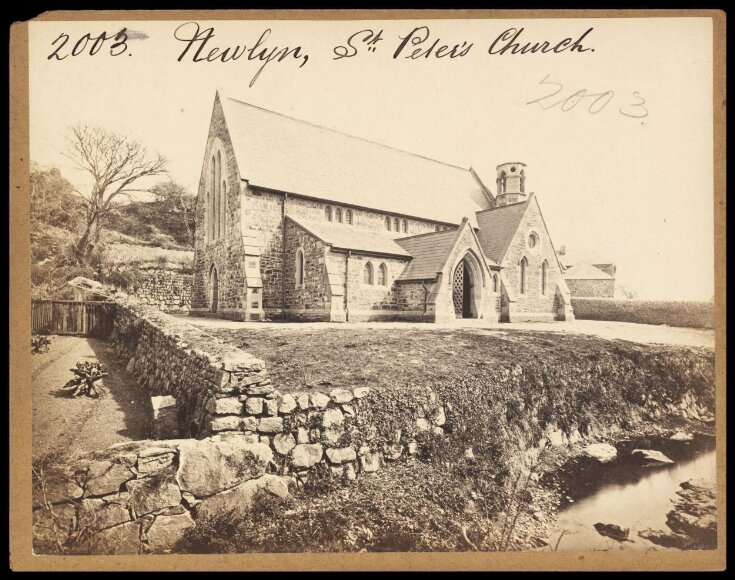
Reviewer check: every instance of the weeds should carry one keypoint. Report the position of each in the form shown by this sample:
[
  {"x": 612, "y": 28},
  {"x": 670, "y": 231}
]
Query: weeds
[{"x": 85, "y": 383}]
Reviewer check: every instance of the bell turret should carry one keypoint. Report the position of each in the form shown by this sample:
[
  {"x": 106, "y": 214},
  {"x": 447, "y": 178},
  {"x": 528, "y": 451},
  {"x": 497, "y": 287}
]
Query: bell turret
[{"x": 511, "y": 183}]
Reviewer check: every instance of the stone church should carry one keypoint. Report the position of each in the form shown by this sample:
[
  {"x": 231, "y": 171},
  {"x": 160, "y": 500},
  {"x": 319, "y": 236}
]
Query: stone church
[{"x": 300, "y": 222}]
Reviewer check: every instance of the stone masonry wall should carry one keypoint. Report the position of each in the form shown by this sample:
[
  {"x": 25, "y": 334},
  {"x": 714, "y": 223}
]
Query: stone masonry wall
[
  {"x": 167, "y": 290},
  {"x": 313, "y": 295},
  {"x": 592, "y": 288},
  {"x": 261, "y": 219},
  {"x": 532, "y": 305},
  {"x": 224, "y": 253}
]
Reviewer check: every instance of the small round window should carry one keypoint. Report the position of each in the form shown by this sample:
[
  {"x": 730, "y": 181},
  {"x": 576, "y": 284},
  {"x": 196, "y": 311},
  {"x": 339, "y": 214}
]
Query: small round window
[{"x": 532, "y": 240}]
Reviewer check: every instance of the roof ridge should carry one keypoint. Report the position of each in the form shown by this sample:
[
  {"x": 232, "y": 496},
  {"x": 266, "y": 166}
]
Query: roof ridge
[
  {"x": 426, "y": 234},
  {"x": 506, "y": 205},
  {"x": 302, "y": 121}
]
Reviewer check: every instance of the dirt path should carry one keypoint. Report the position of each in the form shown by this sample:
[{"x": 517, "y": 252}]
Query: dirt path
[{"x": 68, "y": 425}]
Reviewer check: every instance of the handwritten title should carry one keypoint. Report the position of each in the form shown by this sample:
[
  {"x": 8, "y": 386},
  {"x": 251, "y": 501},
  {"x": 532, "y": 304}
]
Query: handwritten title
[{"x": 199, "y": 45}]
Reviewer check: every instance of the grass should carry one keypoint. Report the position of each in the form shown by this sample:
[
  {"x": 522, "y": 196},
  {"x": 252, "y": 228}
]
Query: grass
[{"x": 324, "y": 359}]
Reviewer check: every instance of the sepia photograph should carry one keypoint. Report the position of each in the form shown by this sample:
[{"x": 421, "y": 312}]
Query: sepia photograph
[{"x": 393, "y": 284}]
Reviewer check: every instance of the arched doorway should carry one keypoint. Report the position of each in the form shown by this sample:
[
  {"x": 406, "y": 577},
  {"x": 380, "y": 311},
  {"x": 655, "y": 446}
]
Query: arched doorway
[
  {"x": 213, "y": 290},
  {"x": 466, "y": 287}
]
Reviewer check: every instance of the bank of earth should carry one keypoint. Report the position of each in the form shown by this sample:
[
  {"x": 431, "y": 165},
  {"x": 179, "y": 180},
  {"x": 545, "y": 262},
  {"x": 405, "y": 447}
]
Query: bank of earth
[{"x": 519, "y": 408}]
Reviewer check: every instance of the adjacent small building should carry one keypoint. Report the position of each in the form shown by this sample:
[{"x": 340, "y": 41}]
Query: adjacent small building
[
  {"x": 300, "y": 222},
  {"x": 588, "y": 278}
]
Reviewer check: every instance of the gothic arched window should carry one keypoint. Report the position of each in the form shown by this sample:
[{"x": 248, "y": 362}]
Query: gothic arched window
[
  {"x": 299, "y": 267},
  {"x": 495, "y": 282},
  {"x": 544, "y": 271},
  {"x": 524, "y": 274},
  {"x": 223, "y": 213},
  {"x": 348, "y": 216},
  {"x": 383, "y": 275},
  {"x": 405, "y": 226},
  {"x": 387, "y": 223},
  {"x": 397, "y": 225},
  {"x": 213, "y": 199},
  {"x": 338, "y": 215},
  {"x": 328, "y": 213},
  {"x": 367, "y": 274}
]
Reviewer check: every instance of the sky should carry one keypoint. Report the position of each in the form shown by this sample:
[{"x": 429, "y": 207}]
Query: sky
[{"x": 623, "y": 173}]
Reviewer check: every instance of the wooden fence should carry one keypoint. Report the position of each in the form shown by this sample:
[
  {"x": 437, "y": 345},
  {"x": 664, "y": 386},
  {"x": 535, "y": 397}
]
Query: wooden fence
[{"x": 84, "y": 318}]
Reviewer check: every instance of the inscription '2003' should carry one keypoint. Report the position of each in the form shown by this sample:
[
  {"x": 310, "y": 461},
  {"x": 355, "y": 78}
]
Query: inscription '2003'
[{"x": 635, "y": 110}]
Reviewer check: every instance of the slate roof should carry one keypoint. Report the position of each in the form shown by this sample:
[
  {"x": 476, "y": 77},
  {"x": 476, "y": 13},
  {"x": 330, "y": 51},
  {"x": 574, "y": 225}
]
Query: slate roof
[
  {"x": 586, "y": 272},
  {"x": 429, "y": 253},
  {"x": 498, "y": 226},
  {"x": 285, "y": 154},
  {"x": 345, "y": 237}
]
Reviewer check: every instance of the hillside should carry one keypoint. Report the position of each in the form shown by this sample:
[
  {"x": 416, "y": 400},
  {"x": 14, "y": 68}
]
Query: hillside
[{"x": 136, "y": 235}]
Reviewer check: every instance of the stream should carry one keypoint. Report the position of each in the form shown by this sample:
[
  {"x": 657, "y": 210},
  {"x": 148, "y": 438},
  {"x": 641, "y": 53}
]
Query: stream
[{"x": 627, "y": 494}]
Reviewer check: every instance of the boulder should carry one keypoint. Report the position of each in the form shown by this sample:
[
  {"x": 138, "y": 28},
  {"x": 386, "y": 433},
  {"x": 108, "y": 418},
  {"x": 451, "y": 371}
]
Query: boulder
[
  {"x": 650, "y": 457},
  {"x": 682, "y": 436},
  {"x": 306, "y": 455},
  {"x": 284, "y": 443},
  {"x": 341, "y": 396},
  {"x": 237, "y": 501},
  {"x": 254, "y": 405},
  {"x": 613, "y": 531},
  {"x": 271, "y": 407},
  {"x": 225, "y": 423},
  {"x": 270, "y": 425},
  {"x": 106, "y": 477},
  {"x": 60, "y": 487},
  {"x": 152, "y": 494},
  {"x": 423, "y": 424},
  {"x": 302, "y": 435},
  {"x": 341, "y": 455},
  {"x": 166, "y": 530},
  {"x": 122, "y": 539},
  {"x": 224, "y": 406},
  {"x": 98, "y": 514},
  {"x": 333, "y": 419},
  {"x": 666, "y": 539},
  {"x": 370, "y": 462},
  {"x": 302, "y": 400},
  {"x": 206, "y": 467},
  {"x": 55, "y": 524},
  {"x": 600, "y": 452},
  {"x": 438, "y": 417},
  {"x": 695, "y": 513},
  {"x": 261, "y": 389},
  {"x": 165, "y": 417},
  {"x": 318, "y": 401},
  {"x": 131, "y": 365},
  {"x": 288, "y": 405},
  {"x": 361, "y": 392}
]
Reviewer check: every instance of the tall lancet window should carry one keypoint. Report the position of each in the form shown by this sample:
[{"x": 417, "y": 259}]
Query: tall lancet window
[
  {"x": 524, "y": 274},
  {"x": 223, "y": 213},
  {"x": 544, "y": 273},
  {"x": 212, "y": 199},
  {"x": 300, "y": 268},
  {"x": 218, "y": 181}
]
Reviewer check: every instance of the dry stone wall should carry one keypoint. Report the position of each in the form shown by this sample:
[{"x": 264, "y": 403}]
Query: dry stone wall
[
  {"x": 142, "y": 497},
  {"x": 222, "y": 390},
  {"x": 167, "y": 290}
]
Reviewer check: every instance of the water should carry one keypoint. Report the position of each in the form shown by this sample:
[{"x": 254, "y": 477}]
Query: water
[{"x": 629, "y": 495}]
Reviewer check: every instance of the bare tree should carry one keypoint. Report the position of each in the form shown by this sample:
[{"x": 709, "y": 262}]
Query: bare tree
[
  {"x": 115, "y": 163},
  {"x": 180, "y": 201}
]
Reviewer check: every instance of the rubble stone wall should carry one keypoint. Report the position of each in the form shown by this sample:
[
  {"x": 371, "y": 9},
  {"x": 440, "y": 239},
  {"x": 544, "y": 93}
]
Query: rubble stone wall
[
  {"x": 222, "y": 390},
  {"x": 167, "y": 290}
]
